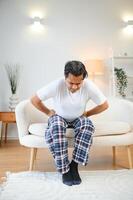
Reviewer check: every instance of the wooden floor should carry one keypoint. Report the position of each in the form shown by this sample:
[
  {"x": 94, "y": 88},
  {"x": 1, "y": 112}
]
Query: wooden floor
[{"x": 15, "y": 158}]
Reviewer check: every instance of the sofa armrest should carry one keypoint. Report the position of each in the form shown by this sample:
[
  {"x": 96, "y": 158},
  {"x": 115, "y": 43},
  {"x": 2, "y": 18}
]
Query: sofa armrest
[
  {"x": 22, "y": 119},
  {"x": 130, "y": 104}
]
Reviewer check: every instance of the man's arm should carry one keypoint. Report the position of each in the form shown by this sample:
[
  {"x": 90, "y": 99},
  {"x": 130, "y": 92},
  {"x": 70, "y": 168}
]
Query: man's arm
[
  {"x": 40, "y": 106},
  {"x": 97, "y": 109}
]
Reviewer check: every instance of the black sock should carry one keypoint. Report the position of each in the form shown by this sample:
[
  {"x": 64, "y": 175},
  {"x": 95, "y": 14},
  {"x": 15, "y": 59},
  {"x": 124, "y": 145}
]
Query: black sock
[
  {"x": 75, "y": 173},
  {"x": 67, "y": 178},
  {"x": 74, "y": 164}
]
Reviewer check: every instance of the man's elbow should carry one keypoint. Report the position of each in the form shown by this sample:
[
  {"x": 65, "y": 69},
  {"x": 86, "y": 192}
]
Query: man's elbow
[
  {"x": 105, "y": 105},
  {"x": 35, "y": 100}
]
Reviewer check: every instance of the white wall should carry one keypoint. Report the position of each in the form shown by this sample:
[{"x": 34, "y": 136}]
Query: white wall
[{"x": 73, "y": 29}]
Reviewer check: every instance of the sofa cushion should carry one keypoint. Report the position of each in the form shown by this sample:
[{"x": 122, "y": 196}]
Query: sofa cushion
[
  {"x": 102, "y": 128},
  {"x": 111, "y": 128},
  {"x": 39, "y": 130}
]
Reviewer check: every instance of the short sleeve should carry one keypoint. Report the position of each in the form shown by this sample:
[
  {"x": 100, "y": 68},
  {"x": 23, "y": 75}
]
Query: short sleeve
[
  {"x": 95, "y": 93},
  {"x": 48, "y": 91}
]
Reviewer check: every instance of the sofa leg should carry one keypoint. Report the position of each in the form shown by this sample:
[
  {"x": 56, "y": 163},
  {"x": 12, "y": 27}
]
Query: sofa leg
[
  {"x": 32, "y": 158},
  {"x": 129, "y": 157},
  {"x": 35, "y": 154},
  {"x": 114, "y": 155}
]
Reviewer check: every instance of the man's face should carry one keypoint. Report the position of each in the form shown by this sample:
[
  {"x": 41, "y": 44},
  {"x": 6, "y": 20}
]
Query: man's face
[{"x": 74, "y": 82}]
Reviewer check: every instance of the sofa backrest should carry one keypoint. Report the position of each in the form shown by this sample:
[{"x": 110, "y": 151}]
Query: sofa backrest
[
  {"x": 119, "y": 110},
  {"x": 33, "y": 114}
]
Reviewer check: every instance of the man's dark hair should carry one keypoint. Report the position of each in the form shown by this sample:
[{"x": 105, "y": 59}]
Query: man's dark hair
[{"x": 75, "y": 68}]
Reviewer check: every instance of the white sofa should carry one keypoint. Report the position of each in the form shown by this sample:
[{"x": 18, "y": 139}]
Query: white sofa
[{"x": 114, "y": 127}]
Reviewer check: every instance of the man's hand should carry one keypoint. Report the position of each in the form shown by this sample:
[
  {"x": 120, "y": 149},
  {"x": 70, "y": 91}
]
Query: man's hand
[
  {"x": 85, "y": 114},
  {"x": 51, "y": 113}
]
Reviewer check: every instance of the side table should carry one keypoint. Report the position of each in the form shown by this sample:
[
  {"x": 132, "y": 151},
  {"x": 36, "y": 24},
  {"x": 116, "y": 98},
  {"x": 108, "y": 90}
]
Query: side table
[{"x": 6, "y": 118}]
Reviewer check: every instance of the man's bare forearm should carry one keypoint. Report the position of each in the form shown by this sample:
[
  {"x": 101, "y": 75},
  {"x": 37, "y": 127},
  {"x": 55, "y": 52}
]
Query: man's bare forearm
[
  {"x": 40, "y": 106},
  {"x": 97, "y": 109}
]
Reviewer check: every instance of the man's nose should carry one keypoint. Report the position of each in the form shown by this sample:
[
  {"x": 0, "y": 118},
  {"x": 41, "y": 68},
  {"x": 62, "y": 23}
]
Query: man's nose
[{"x": 74, "y": 86}]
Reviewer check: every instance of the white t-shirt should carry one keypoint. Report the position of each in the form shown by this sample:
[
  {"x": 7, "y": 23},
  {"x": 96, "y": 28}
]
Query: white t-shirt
[{"x": 67, "y": 104}]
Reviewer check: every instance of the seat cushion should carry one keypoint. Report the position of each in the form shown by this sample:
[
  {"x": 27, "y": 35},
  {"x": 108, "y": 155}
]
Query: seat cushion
[
  {"x": 39, "y": 130},
  {"x": 111, "y": 128},
  {"x": 102, "y": 128}
]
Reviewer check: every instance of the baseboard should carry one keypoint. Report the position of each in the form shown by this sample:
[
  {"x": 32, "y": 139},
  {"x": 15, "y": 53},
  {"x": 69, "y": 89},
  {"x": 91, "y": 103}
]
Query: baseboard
[{"x": 12, "y": 138}]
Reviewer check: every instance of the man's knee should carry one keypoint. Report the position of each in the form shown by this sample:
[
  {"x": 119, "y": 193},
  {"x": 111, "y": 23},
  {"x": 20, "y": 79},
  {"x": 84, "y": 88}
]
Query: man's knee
[
  {"x": 57, "y": 121},
  {"x": 86, "y": 123}
]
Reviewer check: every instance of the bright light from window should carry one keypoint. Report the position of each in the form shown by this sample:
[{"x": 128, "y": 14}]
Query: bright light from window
[
  {"x": 36, "y": 13},
  {"x": 128, "y": 19}
]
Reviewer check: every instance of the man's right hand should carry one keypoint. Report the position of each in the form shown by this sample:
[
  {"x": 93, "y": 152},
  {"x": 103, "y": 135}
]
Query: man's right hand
[{"x": 51, "y": 113}]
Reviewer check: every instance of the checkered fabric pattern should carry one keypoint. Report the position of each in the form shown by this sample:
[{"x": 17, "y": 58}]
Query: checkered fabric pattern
[{"x": 55, "y": 136}]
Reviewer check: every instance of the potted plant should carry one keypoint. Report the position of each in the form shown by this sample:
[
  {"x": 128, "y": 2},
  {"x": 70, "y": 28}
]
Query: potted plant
[
  {"x": 121, "y": 81},
  {"x": 13, "y": 72}
]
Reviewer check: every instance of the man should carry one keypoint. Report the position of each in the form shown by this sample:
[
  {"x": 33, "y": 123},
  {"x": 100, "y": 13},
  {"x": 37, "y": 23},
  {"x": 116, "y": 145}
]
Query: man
[{"x": 70, "y": 96}]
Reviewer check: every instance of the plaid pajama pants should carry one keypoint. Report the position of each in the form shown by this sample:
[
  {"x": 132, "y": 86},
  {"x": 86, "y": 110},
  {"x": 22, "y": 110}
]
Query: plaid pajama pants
[{"x": 55, "y": 136}]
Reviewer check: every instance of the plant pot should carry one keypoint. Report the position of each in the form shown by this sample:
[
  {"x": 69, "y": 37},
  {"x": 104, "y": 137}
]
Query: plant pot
[{"x": 13, "y": 101}]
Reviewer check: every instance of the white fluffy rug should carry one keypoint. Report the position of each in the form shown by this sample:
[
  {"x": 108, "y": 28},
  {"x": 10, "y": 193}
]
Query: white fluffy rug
[{"x": 96, "y": 185}]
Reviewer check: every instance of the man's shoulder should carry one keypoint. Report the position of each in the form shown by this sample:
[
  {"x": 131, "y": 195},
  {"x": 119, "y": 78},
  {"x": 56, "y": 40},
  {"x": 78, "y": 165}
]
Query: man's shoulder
[
  {"x": 51, "y": 88},
  {"x": 59, "y": 82},
  {"x": 88, "y": 83}
]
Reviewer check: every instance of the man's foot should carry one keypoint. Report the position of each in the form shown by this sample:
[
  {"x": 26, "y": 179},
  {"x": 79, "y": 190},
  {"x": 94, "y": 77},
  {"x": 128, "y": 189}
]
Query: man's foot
[
  {"x": 75, "y": 174},
  {"x": 67, "y": 178}
]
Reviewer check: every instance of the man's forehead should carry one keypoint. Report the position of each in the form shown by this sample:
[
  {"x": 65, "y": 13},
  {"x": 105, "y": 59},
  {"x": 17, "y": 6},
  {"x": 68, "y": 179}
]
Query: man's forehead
[{"x": 75, "y": 79}]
